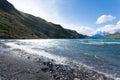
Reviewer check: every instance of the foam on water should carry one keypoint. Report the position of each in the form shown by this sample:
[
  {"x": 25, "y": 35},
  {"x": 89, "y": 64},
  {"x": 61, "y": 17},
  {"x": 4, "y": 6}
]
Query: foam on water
[{"x": 28, "y": 49}]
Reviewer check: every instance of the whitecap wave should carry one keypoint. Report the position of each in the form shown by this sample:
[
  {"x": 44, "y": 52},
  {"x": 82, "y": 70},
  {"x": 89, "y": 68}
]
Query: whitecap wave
[{"x": 27, "y": 49}]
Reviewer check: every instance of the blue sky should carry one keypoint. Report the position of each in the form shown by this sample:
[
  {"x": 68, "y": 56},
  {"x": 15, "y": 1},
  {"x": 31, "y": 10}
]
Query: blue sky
[
  {"x": 84, "y": 16},
  {"x": 86, "y": 11}
]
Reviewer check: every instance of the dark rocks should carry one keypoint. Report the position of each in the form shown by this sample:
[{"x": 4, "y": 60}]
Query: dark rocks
[
  {"x": 28, "y": 57},
  {"x": 63, "y": 72},
  {"x": 45, "y": 69}
]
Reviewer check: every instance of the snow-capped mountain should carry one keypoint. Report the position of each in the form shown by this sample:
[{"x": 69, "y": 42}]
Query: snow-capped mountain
[{"x": 100, "y": 34}]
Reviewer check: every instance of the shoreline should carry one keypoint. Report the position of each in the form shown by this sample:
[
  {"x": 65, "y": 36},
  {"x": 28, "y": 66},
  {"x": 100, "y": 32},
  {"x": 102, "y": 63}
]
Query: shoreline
[{"x": 24, "y": 66}]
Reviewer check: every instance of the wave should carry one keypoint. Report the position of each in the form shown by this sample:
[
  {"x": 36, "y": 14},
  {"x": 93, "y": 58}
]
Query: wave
[
  {"x": 99, "y": 43},
  {"x": 27, "y": 49}
]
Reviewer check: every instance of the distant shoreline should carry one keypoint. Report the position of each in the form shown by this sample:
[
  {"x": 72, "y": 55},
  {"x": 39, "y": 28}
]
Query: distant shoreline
[{"x": 17, "y": 64}]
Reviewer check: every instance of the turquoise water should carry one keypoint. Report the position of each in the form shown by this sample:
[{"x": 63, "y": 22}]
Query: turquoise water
[{"x": 100, "y": 54}]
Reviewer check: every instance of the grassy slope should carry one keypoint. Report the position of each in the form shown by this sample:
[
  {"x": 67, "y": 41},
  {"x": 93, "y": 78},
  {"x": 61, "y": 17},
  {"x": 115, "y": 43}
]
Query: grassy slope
[
  {"x": 10, "y": 27},
  {"x": 16, "y": 24}
]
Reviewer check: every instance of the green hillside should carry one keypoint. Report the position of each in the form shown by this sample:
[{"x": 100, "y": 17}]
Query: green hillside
[{"x": 18, "y": 25}]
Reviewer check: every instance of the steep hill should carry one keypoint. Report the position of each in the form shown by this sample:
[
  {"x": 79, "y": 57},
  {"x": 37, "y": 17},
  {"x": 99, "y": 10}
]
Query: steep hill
[{"x": 18, "y": 25}]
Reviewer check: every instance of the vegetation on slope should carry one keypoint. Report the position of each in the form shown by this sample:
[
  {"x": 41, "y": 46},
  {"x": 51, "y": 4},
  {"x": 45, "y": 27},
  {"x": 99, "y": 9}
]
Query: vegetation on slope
[{"x": 15, "y": 24}]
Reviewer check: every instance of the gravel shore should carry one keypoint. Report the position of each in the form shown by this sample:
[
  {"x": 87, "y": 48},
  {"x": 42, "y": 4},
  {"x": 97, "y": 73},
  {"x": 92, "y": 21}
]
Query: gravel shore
[{"x": 18, "y": 65}]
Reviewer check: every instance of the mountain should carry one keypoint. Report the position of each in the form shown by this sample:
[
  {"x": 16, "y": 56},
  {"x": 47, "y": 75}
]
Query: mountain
[
  {"x": 113, "y": 36},
  {"x": 100, "y": 34},
  {"x": 15, "y": 24}
]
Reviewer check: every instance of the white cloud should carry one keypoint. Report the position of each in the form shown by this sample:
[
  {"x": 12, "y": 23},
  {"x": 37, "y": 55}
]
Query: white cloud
[
  {"x": 104, "y": 18},
  {"x": 85, "y": 30},
  {"x": 110, "y": 28},
  {"x": 46, "y": 9},
  {"x": 118, "y": 23},
  {"x": 80, "y": 29}
]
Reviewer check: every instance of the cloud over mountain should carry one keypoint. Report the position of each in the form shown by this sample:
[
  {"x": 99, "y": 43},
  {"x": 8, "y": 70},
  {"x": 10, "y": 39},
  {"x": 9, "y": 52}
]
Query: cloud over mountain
[{"x": 110, "y": 28}]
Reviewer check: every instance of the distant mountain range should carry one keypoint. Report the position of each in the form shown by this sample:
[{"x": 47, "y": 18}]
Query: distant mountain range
[
  {"x": 100, "y": 34},
  {"x": 106, "y": 35},
  {"x": 15, "y": 24}
]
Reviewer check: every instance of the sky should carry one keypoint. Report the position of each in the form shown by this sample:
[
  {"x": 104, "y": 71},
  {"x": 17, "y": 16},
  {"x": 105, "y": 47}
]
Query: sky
[{"x": 85, "y": 16}]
